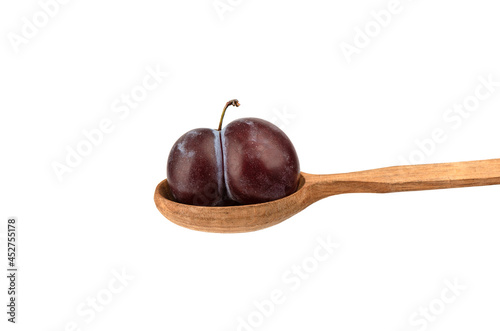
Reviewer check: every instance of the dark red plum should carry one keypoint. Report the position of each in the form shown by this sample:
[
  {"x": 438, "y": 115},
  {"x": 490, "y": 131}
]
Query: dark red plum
[
  {"x": 260, "y": 162},
  {"x": 194, "y": 168},
  {"x": 250, "y": 161}
]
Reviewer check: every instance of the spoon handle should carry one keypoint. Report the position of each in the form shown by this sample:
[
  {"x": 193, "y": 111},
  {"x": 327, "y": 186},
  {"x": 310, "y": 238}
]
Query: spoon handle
[{"x": 410, "y": 178}]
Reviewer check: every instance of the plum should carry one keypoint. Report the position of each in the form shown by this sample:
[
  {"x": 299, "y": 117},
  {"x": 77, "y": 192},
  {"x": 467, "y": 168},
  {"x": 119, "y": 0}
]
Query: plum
[{"x": 249, "y": 161}]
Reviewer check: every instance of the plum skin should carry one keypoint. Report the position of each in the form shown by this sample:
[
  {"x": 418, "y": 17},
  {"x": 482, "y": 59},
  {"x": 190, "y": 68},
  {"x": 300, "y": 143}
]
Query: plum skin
[
  {"x": 260, "y": 162},
  {"x": 194, "y": 168},
  {"x": 249, "y": 161}
]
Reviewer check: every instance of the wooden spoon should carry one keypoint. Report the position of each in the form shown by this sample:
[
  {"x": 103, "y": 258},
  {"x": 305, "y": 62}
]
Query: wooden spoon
[{"x": 316, "y": 187}]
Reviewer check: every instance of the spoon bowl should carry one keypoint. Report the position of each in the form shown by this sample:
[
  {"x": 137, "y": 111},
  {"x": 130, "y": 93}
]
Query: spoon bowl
[
  {"x": 230, "y": 219},
  {"x": 311, "y": 188}
]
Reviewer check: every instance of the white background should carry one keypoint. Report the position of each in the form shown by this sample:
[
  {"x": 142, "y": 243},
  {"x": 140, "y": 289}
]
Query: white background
[{"x": 283, "y": 61}]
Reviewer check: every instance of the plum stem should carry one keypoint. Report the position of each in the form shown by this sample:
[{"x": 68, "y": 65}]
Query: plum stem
[{"x": 234, "y": 103}]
